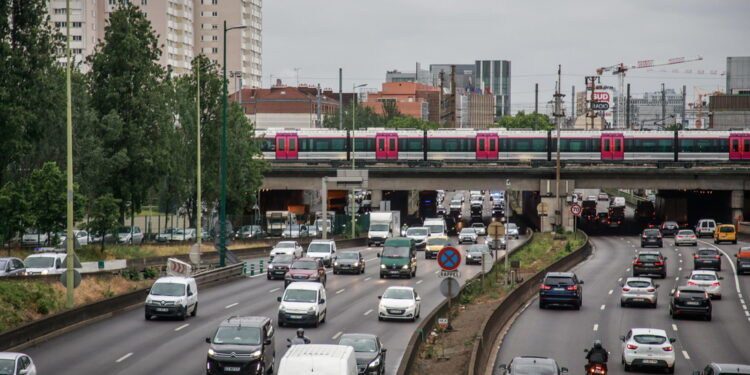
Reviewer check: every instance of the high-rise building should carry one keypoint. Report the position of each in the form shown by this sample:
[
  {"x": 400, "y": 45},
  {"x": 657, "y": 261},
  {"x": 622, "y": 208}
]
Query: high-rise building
[
  {"x": 185, "y": 28},
  {"x": 464, "y": 76},
  {"x": 419, "y": 75},
  {"x": 738, "y": 75},
  {"x": 646, "y": 112},
  {"x": 494, "y": 76}
]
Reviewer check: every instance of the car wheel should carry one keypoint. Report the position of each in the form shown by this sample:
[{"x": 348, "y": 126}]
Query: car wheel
[
  {"x": 281, "y": 324},
  {"x": 542, "y": 305},
  {"x": 268, "y": 276},
  {"x": 708, "y": 317},
  {"x": 325, "y": 315},
  {"x": 734, "y": 242},
  {"x": 147, "y": 316},
  {"x": 670, "y": 370},
  {"x": 626, "y": 367},
  {"x": 622, "y": 304},
  {"x": 382, "y": 276},
  {"x": 380, "y": 318},
  {"x": 317, "y": 322},
  {"x": 335, "y": 272},
  {"x": 184, "y": 314},
  {"x": 672, "y": 314},
  {"x": 195, "y": 310}
]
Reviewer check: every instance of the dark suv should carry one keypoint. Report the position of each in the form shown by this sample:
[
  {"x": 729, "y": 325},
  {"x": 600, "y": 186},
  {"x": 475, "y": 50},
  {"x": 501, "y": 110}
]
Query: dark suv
[
  {"x": 242, "y": 345},
  {"x": 669, "y": 228},
  {"x": 651, "y": 237},
  {"x": 707, "y": 259},
  {"x": 690, "y": 300},
  {"x": 561, "y": 288},
  {"x": 650, "y": 263}
]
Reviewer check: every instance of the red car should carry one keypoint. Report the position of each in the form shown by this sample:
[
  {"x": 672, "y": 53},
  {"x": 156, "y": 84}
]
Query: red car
[{"x": 305, "y": 269}]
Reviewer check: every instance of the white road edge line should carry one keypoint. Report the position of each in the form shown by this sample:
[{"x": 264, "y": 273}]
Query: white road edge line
[
  {"x": 368, "y": 278},
  {"x": 602, "y": 308},
  {"x": 734, "y": 269},
  {"x": 231, "y": 305},
  {"x": 596, "y": 327},
  {"x": 368, "y": 312},
  {"x": 274, "y": 290},
  {"x": 339, "y": 292},
  {"x": 419, "y": 282},
  {"x": 126, "y": 356},
  {"x": 181, "y": 327},
  {"x": 685, "y": 354},
  {"x": 336, "y": 336}
]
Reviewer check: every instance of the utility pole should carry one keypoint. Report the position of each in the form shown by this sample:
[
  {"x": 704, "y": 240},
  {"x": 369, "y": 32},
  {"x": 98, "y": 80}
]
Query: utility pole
[
  {"x": 341, "y": 106},
  {"x": 536, "y": 105},
  {"x": 559, "y": 113},
  {"x": 573, "y": 103},
  {"x": 70, "y": 237},
  {"x": 627, "y": 108},
  {"x": 663, "y": 106},
  {"x": 318, "y": 123},
  {"x": 591, "y": 86},
  {"x": 453, "y": 96},
  {"x": 684, "y": 92},
  {"x": 441, "y": 99}
]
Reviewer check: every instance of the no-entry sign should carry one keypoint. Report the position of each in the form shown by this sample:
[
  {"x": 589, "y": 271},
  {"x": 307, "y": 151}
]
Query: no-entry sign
[{"x": 449, "y": 258}]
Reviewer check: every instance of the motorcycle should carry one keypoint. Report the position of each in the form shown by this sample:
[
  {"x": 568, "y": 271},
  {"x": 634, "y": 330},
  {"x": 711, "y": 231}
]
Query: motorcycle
[
  {"x": 595, "y": 368},
  {"x": 296, "y": 341}
]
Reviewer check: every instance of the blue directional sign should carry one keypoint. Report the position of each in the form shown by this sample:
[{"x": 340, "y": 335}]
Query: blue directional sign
[{"x": 449, "y": 258}]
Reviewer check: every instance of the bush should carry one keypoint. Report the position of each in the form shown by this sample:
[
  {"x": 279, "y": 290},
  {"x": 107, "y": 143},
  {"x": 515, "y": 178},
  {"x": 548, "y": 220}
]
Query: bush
[{"x": 21, "y": 301}]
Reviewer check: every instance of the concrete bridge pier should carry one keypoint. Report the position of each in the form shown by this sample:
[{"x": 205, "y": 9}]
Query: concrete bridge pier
[
  {"x": 737, "y": 206},
  {"x": 376, "y": 196},
  {"x": 549, "y": 223}
]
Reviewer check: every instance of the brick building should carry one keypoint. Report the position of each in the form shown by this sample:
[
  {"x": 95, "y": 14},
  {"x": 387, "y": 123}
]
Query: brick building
[
  {"x": 412, "y": 99},
  {"x": 287, "y": 107}
]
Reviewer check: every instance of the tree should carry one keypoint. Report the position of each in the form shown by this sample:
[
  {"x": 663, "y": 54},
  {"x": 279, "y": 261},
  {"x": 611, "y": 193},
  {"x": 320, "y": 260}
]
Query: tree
[
  {"x": 47, "y": 194},
  {"x": 14, "y": 210},
  {"x": 390, "y": 110},
  {"x": 523, "y": 121},
  {"x": 408, "y": 122},
  {"x": 126, "y": 84},
  {"x": 365, "y": 118},
  {"x": 104, "y": 217}
]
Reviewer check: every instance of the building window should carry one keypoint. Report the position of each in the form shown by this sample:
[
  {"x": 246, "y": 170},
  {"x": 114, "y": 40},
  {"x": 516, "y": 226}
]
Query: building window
[
  {"x": 215, "y": 2},
  {"x": 214, "y": 14},
  {"x": 112, "y": 2},
  {"x": 214, "y": 50},
  {"x": 77, "y": 24},
  {"x": 60, "y": 24},
  {"x": 214, "y": 37},
  {"x": 77, "y": 51},
  {"x": 215, "y": 27},
  {"x": 59, "y": 10},
  {"x": 77, "y": 38},
  {"x": 144, "y": 2}
]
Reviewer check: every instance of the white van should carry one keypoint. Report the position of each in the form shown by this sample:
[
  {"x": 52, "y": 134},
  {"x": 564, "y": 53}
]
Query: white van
[
  {"x": 324, "y": 250},
  {"x": 303, "y": 302},
  {"x": 705, "y": 227},
  {"x": 49, "y": 263},
  {"x": 175, "y": 296},
  {"x": 618, "y": 202},
  {"x": 318, "y": 359},
  {"x": 436, "y": 226}
]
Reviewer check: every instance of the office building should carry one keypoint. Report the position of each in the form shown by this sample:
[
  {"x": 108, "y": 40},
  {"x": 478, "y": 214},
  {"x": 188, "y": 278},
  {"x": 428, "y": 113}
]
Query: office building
[
  {"x": 738, "y": 75},
  {"x": 419, "y": 75},
  {"x": 646, "y": 112},
  {"x": 493, "y": 76},
  {"x": 464, "y": 76}
]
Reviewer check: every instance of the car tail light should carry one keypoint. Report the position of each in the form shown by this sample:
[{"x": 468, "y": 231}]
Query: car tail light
[
  {"x": 692, "y": 236},
  {"x": 667, "y": 348},
  {"x": 715, "y": 283},
  {"x": 650, "y": 290},
  {"x": 692, "y": 283},
  {"x": 637, "y": 263},
  {"x": 632, "y": 347},
  {"x": 545, "y": 287},
  {"x": 625, "y": 289},
  {"x": 658, "y": 236},
  {"x": 573, "y": 287},
  {"x": 717, "y": 256},
  {"x": 659, "y": 263},
  {"x": 696, "y": 256}
]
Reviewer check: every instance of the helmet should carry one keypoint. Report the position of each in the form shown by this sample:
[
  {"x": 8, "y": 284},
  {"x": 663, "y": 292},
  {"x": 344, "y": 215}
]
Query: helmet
[
  {"x": 597, "y": 344},
  {"x": 300, "y": 332}
]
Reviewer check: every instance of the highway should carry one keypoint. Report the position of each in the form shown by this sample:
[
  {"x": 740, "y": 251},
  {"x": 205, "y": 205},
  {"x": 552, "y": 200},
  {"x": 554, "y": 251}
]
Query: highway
[
  {"x": 128, "y": 344},
  {"x": 563, "y": 334}
]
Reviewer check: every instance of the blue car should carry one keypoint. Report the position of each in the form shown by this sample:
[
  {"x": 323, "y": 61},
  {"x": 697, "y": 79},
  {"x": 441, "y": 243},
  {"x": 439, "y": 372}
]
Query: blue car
[{"x": 561, "y": 288}]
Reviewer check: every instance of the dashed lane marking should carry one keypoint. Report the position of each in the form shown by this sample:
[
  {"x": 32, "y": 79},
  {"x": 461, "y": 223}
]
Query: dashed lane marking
[
  {"x": 619, "y": 280},
  {"x": 126, "y": 356},
  {"x": 340, "y": 291},
  {"x": 674, "y": 327},
  {"x": 274, "y": 290},
  {"x": 685, "y": 354},
  {"x": 368, "y": 278},
  {"x": 627, "y": 269},
  {"x": 419, "y": 282},
  {"x": 611, "y": 291},
  {"x": 596, "y": 327},
  {"x": 602, "y": 308},
  {"x": 181, "y": 327},
  {"x": 337, "y": 335},
  {"x": 229, "y": 306},
  {"x": 368, "y": 312}
]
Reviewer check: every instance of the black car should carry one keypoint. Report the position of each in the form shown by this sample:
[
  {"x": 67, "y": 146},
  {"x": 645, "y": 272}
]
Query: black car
[
  {"x": 242, "y": 345},
  {"x": 279, "y": 266},
  {"x": 561, "y": 288},
  {"x": 707, "y": 259},
  {"x": 669, "y": 228},
  {"x": 349, "y": 262},
  {"x": 369, "y": 351},
  {"x": 724, "y": 368},
  {"x": 690, "y": 300},
  {"x": 532, "y": 365},
  {"x": 651, "y": 237},
  {"x": 650, "y": 263},
  {"x": 743, "y": 260}
]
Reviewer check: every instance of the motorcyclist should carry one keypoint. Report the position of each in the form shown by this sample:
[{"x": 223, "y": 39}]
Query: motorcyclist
[
  {"x": 597, "y": 355},
  {"x": 300, "y": 339}
]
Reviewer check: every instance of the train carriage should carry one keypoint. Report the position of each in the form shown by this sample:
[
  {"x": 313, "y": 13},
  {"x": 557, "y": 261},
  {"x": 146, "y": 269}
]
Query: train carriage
[
  {"x": 702, "y": 145},
  {"x": 649, "y": 145}
]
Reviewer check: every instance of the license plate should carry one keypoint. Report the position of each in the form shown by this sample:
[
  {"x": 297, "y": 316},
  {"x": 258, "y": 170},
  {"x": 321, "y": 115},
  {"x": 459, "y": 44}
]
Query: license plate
[
  {"x": 638, "y": 300},
  {"x": 397, "y": 311},
  {"x": 394, "y": 272},
  {"x": 232, "y": 369},
  {"x": 745, "y": 265},
  {"x": 558, "y": 289},
  {"x": 295, "y": 317},
  {"x": 278, "y": 272},
  {"x": 650, "y": 361},
  {"x": 691, "y": 303},
  {"x": 162, "y": 309}
]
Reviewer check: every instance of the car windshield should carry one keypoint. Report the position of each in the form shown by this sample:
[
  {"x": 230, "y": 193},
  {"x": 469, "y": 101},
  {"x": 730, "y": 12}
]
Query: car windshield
[
  {"x": 397, "y": 293},
  {"x": 511, "y": 226},
  {"x": 708, "y": 252},
  {"x": 305, "y": 265},
  {"x": 237, "y": 335},
  {"x": 726, "y": 229},
  {"x": 478, "y": 248},
  {"x": 651, "y": 232},
  {"x": 283, "y": 258},
  {"x": 557, "y": 280},
  {"x": 348, "y": 256},
  {"x": 703, "y": 276},
  {"x": 39, "y": 262},
  {"x": 123, "y": 230},
  {"x": 648, "y": 258},
  {"x": 670, "y": 224},
  {"x": 434, "y": 241},
  {"x": 319, "y": 248},
  {"x": 639, "y": 284},
  {"x": 468, "y": 231},
  {"x": 692, "y": 294},
  {"x": 477, "y": 225},
  {"x": 379, "y": 227},
  {"x": 435, "y": 228},
  {"x": 455, "y": 203},
  {"x": 395, "y": 252},
  {"x": 168, "y": 289},
  {"x": 417, "y": 232},
  {"x": 360, "y": 345},
  {"x": 300, "y": 295},
  {"x": 7, "y": 366},
  {"x": 650, "y": 339},
  {"x": 285, "y": 245},
  {"x": 685, "y": 233}
]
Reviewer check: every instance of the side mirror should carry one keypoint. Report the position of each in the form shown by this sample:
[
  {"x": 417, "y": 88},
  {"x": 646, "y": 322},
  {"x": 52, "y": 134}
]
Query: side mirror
[
  {"x": 564, "y": 370},
  {"x": 383, "y": 350},
  {"x": 721, "y": 277},
  {"x": 656, "y": 286},
  {"x": 278, "y": 299},
  {"x": 585, "y": 350},
  {"x": 267, "y": 342},
  {"x": 671, "y": 340},
  {"x": 208, "y": 340},
  {"x": 665, "y": 258},
  {"x": 322, "y": 301},
  {"x": 380, "y": 297},
  {"x": 378, "y": 255},
  {"x": 419, "y": 299},
  {"x": 580, "y": 281},
  {"x": 503, "y": 367},
  {"x": 735, "y": 255},
  {"x": 622, "y": 338}
]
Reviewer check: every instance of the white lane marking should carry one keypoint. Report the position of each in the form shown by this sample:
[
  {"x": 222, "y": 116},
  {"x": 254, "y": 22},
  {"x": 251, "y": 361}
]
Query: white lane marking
[
  {"x": 611, "y": 291},
  {"x": 340, "y": 291},
  {"x": 619, "y": 280},
  {"x": 437, "y": 272},
  {"x": 419, "y": 282},
  {"x": 126, "y": 356},
  {"x": 181, "y": 327},
  {"x": 734, "y": 269},
  {"x": 627, "y": 269},
  {"x": 685, "y": 354},
  {"x": 679, "y": 269},
  {"x": 676, "y": 278},
  {"x": 679, "y": 254},
  {"x": 229, "y": 306},
  {"x": 368, "y": 278},
  {"x": 368, "y": 312},
  {"x": 747, "y": 313},
  {"x": 596, "y": 327},
  {"x": 674, "y": 327},
  {"x": 602, "y": 308},
  {"x": 274, "y": 290},
  {"x": 680, "y": 260},
  {"x": 336, "y": 336},
  {"x": 367, "y": 260}
]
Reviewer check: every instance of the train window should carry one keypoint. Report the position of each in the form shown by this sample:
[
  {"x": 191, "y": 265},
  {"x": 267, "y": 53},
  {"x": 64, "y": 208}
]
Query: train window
[
  {"x": 381, "y": 144},
  {"x": 364, "y": 145},
  {"x": 606, "y": 146},
  {"x": 526, "y": 145},
  {"x": 704, "y": 145},
  {"x": 328, "y": 144},
  {"x": 292, "y": 144},
  {"x": 267, "y": 144},
  {"x": 410, "y": 144},
  {"x": 618, "y": 145},
  {"x": 481, "y": 144},
  {"x": 649, "y": 145},
  {"x": 735, "y": 145},
  {"x": 453, "y": 144},
  {"x": 435, "y": 145},
  {"x": 391, "y": 144},
  {"x": 576, "y": 145},
  {"x": 492, "y": 145},
  {"x": 281, "y": 144}
]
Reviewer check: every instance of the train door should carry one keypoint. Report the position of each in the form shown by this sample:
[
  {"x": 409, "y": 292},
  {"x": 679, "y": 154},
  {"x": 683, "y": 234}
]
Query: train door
[
  {"x": 613, "y": 146},
  {"x": 386, "y": 146},
  {"x": 287, "y": 146},
  {"x": 487, "y": 147},
  {"x": 739, "y": 146}
]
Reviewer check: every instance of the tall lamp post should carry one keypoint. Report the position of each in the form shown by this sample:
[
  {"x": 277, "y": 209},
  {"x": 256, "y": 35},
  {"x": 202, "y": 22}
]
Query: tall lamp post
[
  {"x": 70, "y": 238},
  {"x": 223, "y": 199},
  {"x": 354, "y": 121}
]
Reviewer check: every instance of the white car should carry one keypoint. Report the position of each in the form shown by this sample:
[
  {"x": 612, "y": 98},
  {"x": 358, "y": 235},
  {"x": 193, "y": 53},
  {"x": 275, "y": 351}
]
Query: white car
[
  {"x": 166, "y": 235},
  {"x": 512, "y": 230},
  {"x": 16, "y": 363},
  {"x": 648, "y": 347},
  {"x": 187, "y": 234},
  {"x": 399, "y": 302},
  {"x": 295, "y": 231},
  {"x": 81, "y": 236},
  {"x": 419, "y": 235},
  {"x": 325, "y": 250},
  {"x": 129, "y": 235},
  {"x": 685, "y": 237},
  {"x": 287, "y": 247},
  {"x": 708, "y": 281},
  {"x": 172, "y": 296},
  {"x": 491, "y": 243},
  {"x": 638, "y": 290},
  {"x": 479, "y": 228},
  {"x": 33, "y": 238},
  {"x": 49, "y": 263},
  {"x": 467, "y": 235},
  {"x": 455, "y": 205}
]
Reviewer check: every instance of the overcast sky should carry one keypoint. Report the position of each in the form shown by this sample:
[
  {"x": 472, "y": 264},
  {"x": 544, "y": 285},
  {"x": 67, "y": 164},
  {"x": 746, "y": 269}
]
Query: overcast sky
[{"x": 368, "y": 37}]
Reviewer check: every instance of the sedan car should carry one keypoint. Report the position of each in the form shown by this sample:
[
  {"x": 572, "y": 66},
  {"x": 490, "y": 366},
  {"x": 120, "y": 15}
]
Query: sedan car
[
  {"x": 130, "y": 235},
  {"x": 651, "y": 237},
  {"x": 305, "y": 269},
  {"x": 638, "y": 290},
  {"x": 455, "y": 205},
  {"x": 690, "y": 300},
  {"x": 467, "y": 235},
  {"x": 511, "y": 229},
  {"x": 743, "y": 260},
  {"x": 287, "y": 247},
  {"x": 16, "y": 364},
  {"x": 434, "y": 245},
  {"x": 686, "y": 237},
  {"x": 399, "y": 302},
  {"x": 166, "y": 235},
  {"x": 248, "y": 231},
  {"x": 349, "y": 262},
  {"x": 724, "y": 369},
  {"x": 81, "y": 236},
  {"x": 476, "y": 253},
  {"x": 479, "y": 228},
  {"x": 279, "y": 266},
  {"x": 11, "y": 267},
  {"x": 707, "y": 259},
  {"x": 648, "y": 347},
  {"x": 708, "y": 281},
  {"x": 369, "y": 351},
  {"x": 295, "y": 231},
  {"x": 532, "y": 365},
  {"x": 491, "y": 243},
  {"x": 669, "y": 228}
]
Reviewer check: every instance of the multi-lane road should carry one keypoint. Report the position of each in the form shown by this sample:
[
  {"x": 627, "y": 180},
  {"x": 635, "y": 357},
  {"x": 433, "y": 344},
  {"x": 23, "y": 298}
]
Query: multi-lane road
[
  {"x": 564, "y": 333},
  {"x": 128, "y": 344}
]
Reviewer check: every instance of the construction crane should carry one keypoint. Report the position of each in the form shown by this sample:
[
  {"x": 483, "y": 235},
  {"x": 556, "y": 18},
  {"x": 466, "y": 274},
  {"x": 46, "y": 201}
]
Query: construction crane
[
  {"x": 621, "y": 68},
  {"x": 700, "y": 104}
]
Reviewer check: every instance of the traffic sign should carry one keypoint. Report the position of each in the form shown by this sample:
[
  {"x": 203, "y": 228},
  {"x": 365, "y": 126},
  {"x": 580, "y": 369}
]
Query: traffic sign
[
  {"x": 449, "y": 258},
  {"x": 442, "y": 323},
  {"x": 76, "y": 278},
  {"x": 496, "y": 229},
  {"x": 449, "y": 287},
  {"x": 599, "y": 106},
  {"x": 576, "y": 209},
  {"x": 444, "y": 273}
]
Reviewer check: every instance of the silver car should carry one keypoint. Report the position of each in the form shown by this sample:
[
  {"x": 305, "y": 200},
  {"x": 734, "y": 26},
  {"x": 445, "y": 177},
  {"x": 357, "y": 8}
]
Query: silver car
[
  {"x": 467, "y": 235},
  {"x": 16, "y": 363},
  {"x": 295, "y": 231},
  {"x": 11, "y": 267},
  {"x": 479, "y": 228},
  {"x": 638, "y": 290},
  {"x": 708, "y": 281},
  {"x": 685, "y": 237}
]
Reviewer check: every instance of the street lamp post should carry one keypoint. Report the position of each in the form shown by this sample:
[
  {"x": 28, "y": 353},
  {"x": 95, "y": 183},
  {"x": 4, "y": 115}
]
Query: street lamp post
[
  {"x": 223, "y": 198},
  {"x": 354, "y": 121}
]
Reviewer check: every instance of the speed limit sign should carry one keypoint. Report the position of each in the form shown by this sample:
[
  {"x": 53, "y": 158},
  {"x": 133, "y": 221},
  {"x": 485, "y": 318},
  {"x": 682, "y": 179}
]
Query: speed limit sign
[{"x": 576, "y": 209}]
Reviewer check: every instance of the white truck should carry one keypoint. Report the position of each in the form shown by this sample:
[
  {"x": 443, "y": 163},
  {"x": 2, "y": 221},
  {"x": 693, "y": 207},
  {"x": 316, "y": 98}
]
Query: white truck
[
  {"x": 383, "y": 225},
  {"x": 318, "y": 359}
]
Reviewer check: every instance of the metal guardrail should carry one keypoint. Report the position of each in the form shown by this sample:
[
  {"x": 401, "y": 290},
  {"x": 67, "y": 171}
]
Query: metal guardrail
[
  {"x": 481, "y": 360},
  {"x": 406, "y": 366}
]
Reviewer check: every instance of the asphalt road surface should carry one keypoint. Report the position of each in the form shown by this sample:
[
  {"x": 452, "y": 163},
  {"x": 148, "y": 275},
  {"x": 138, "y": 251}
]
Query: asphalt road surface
[{"x": 563, "y": 334}]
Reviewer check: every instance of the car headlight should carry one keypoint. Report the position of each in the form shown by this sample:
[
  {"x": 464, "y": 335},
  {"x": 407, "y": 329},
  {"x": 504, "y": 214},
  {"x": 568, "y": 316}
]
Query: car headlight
[
  {"x": 311, "y": 309},
  {"x": 44, "y": 272},
  {"x": 382, "y": 266},
  {"x": 405, "y": 267},
  {"x": 282, "y": 309},
  {"x": 468, "y": 256},
  {"x": 256, "y": 354},
  {"x": 313, "y": 277},
  {"x": 375, "y": 363},
  {"x": 211, "y": 352},
  {"x": 335, "y": 263},
  {"x": 356, "y": 264}
]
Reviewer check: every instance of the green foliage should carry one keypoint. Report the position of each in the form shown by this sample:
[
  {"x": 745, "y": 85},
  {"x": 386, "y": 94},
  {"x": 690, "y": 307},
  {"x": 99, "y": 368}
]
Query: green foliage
[
  {"x": 523, "y": 121},
  {"x": 47, "y": 199},
  {"x": 365, "y": 118},
  {"x": 20, "y": 298},
  {"x": 104, "y": 217},
  {"x": 91, "y": 253},
  {"x": 408, "y": 122},
  {"x": 14, "y": 210},
  {"x": 390, "y": 110}
]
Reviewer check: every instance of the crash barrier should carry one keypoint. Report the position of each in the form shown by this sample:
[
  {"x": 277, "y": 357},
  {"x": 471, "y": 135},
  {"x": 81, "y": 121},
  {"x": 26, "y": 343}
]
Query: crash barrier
[
  {"x": 482, "y": 353},
  {"x": 53, "y": 325},
  {"x": 411, "y": 353}
]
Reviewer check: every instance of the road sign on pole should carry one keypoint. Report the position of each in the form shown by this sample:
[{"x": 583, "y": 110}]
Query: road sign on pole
[
  {"x": 576, "y": 209},
  {"x": 449, "y": 258},
  {"x": 449, "y": 287}
]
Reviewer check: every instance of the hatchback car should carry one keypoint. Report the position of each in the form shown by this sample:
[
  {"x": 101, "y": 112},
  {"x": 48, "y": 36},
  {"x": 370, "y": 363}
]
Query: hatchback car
[
  {"x": 369, "y": 351},
  {"x": 399, "y": 302},
  {"x": 279, "y": 266},
  {"x": 743, "y": 260},
  {"x": 650, "y": 263},
  {"x": 725, "y": 233},
  {"x": 11, "y": 267},
  {"x": 690, "y": 300},
  {"x": 651, "y": 237},
  {"x": 349, "y": 262},
  {"x": 648, "y": 347},
  {"x": 287, "y": 247},
  {"x": 479, "y": 228},
  {"x": 16, "y": 364},
  {"x": 685, "y": 237},
  {"x": 434, "y": 245},
  {"x": 468, "y": 235},
  {"x": 475, "y": 254},
  {"x": 242, "y": 345},
  {"x": 669, "y": 228},
  {"x": 511, "y": 230},
  {"x": 561, "y": 288},
  {"x": 724, "y": 369},
  {"x": 707, "y": 259},
  {"x": 602, "y": 196},
  {"x": 532, "y": 365},
  {"x": 305, "y": 269},
  {"x": 638, "y": 290},
  {"x": 708, "y": 281}
]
